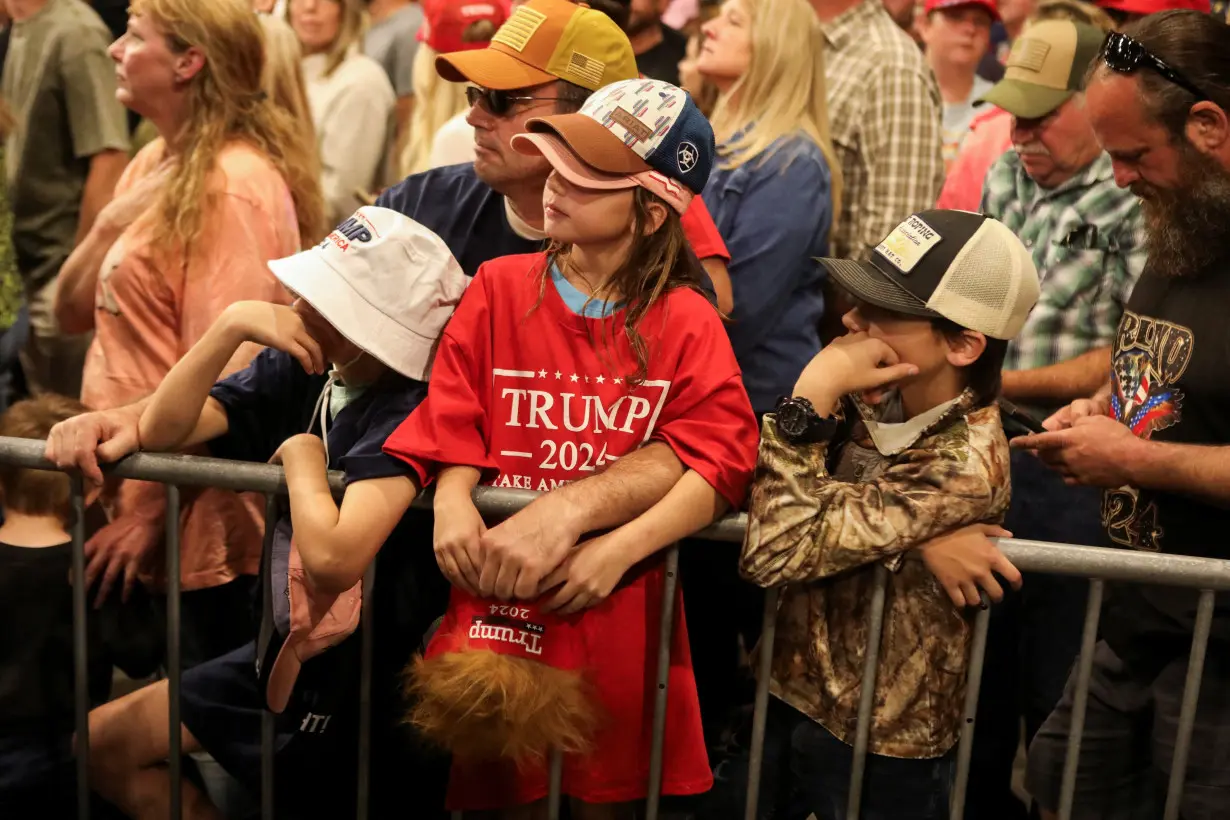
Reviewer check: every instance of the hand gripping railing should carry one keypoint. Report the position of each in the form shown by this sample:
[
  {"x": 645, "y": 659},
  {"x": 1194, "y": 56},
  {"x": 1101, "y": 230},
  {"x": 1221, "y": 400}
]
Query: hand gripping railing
[{"x": 1099, "y": 565}]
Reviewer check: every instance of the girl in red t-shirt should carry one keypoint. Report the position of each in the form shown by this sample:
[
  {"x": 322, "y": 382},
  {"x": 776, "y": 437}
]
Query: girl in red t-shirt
[{"x": 554, "y": 365}]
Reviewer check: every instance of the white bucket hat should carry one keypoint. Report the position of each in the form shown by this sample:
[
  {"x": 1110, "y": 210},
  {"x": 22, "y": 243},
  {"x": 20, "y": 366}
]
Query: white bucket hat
[{"x": 384, "y": 282}]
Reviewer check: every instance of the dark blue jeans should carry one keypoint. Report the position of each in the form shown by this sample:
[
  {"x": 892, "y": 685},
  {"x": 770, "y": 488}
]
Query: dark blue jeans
[
  {"x": 807, "y": 771},
  {"x": 1034, "y": 634}
]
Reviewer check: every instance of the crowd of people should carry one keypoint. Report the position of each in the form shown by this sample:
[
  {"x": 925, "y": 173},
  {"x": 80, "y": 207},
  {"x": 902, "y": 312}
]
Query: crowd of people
[{"x": 895, "y": 279}]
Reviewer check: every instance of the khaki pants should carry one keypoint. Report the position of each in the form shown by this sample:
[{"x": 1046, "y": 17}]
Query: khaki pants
[{"x": 52, "y": 361}]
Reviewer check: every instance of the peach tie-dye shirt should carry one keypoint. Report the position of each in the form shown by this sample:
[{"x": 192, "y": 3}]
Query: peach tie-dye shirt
[{"x": 151, "y": 307}]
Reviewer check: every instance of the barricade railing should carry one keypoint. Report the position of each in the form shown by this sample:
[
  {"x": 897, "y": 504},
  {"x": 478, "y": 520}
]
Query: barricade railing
[{"x": 1100, "y": 565}]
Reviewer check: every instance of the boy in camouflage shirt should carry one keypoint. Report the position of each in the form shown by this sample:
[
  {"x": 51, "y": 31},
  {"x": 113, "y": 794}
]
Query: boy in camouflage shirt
[{"x": 892, "y": 438}]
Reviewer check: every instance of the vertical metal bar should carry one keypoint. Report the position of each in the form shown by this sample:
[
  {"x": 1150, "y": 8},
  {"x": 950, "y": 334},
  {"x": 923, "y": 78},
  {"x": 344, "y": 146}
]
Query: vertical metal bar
[
  {"x": 665, "y": 636},
  {"x": 1084, "y": 670},
  {"x": 977, "y": 657},
  {"x": 555, "y": 785},
  {"x": 1191, "y": 696},
  {"x": 760, "y": 712},
  {"x": 867, "y": 696},
  {"x": 81, "y": 650},
  {"x": 173, "y": 653},
  {"x": 268, "y": 728},
  {"x": 367, "y": 634}
]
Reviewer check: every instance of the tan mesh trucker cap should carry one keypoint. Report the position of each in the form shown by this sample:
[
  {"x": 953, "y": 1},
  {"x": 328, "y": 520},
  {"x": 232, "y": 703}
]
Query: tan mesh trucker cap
[
  {"x": 957, "y": 265},
  {"x": 1046, "y": 66}
]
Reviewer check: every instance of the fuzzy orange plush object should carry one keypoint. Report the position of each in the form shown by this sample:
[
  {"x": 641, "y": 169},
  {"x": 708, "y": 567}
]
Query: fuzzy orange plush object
[{"x": 501, "y": 681}]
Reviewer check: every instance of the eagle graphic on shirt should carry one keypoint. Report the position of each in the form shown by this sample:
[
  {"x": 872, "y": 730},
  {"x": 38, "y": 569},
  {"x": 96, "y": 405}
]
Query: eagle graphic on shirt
[
  {"x": 1150, "y": 358},
  {"x": 1141, "y": 399}
]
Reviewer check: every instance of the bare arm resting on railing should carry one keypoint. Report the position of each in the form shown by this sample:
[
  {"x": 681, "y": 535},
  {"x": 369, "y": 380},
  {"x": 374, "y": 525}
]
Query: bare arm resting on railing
[
  {"x": 523, "y": 549},
  {"x": 337, "y": 544},
  {"x": 181, "y": 413},
  {"x": 592, "y": 570}
]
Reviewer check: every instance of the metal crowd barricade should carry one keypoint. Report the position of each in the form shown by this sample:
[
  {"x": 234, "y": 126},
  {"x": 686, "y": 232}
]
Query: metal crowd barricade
[{"x": 1099, "y": 565}]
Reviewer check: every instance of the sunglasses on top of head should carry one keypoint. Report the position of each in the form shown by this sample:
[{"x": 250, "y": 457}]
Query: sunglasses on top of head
[
  {"x": 1123, "y": 54},
  {"x": 498, "y": 102}
]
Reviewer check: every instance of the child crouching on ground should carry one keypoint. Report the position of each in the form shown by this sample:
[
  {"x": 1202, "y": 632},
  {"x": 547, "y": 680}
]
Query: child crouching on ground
[
  {"x": 372, "y": 299},
  {"x": 555, "y": 365},
  {"x": 891, "y": 438}
]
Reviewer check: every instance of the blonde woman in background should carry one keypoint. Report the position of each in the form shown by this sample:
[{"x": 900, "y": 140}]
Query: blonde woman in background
[
  {"x": 439, "y": 134},
  {"x": 776, "y": 189},
  {"x": 351, "y": 99},
  {"x": 282, "y": 78},
  {"x": 228, "y": 185}
]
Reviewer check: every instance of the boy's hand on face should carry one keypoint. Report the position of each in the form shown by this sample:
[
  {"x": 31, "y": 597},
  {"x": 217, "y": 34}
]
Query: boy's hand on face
[
  {"x": 854, "y": 363},
  {"x": 279, "y": 327},
  {"x": 965, "y": 561}
]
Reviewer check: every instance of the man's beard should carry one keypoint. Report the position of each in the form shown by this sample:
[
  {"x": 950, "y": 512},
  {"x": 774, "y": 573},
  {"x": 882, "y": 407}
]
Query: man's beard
[
  {"x": 1187, "y": 228},
  {"x": 638, "y": 23}
]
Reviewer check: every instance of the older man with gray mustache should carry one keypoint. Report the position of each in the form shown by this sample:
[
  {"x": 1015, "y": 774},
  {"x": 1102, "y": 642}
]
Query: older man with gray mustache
[{"x": 1057, "y": 192}]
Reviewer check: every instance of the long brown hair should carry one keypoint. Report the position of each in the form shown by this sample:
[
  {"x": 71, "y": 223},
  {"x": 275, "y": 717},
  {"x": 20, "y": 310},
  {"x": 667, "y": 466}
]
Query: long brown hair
[
  {"x": 657, "y": 262},
  {"x": 225, "y": 102}
]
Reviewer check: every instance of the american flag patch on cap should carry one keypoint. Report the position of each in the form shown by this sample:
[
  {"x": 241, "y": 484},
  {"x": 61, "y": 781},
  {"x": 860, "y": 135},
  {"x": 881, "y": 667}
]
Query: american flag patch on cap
[{"x": 587, "y": 69}]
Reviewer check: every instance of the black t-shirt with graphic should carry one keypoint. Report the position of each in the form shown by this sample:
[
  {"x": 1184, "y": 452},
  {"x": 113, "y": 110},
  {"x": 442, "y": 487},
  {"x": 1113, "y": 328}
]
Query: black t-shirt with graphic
[{"x": 1168, "y": 379}]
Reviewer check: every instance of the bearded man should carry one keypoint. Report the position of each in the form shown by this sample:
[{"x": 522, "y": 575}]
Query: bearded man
[
  {"x": 1057, "y": 192},
  {"x": 1157, "y": 436}
]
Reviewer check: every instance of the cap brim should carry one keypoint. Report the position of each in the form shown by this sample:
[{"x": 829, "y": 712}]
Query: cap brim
[
  {"x": 865, "y": 281},
  {"x": 568, "y": 164},
  {"x": 988, "y": 7},
  {"x": 490, "y": 68},
  {"x": 352, "y": 315},
  {"x": 593, "y": 142},
  {"x": 1026, "y": 100},
  {"x": 283, "y": 673}
]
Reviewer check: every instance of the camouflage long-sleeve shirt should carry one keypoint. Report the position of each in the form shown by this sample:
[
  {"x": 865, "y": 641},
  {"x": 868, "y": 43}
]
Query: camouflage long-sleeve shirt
[{"x": 821, "y": 535}]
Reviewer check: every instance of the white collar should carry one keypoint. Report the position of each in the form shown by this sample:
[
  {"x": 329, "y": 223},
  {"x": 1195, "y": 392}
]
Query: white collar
[{"x": 520, "y": 227}]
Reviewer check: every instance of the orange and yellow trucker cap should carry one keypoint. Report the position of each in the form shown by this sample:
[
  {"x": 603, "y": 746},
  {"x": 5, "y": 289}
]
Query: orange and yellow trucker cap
[{"x": 544, "y": 41}]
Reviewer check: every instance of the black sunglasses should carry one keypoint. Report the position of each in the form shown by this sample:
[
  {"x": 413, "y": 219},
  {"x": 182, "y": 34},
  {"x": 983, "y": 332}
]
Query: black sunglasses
[
  {"x": 498, "y": 103},
  {"x": 1125, "y": 55}
]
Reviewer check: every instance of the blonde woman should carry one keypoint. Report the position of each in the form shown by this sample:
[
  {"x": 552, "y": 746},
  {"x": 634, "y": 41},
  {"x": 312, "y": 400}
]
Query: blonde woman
[
  {"x": 228, "y": 185},
  {"x": 439, "y": 134},
  {"x": 282, "y": 78},
  {"x": 352, "y": 102},
  {"x": 776, "y": 187}
]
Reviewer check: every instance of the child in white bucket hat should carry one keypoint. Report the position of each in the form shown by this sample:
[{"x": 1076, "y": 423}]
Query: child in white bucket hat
[{"x": 372, "y": 298}]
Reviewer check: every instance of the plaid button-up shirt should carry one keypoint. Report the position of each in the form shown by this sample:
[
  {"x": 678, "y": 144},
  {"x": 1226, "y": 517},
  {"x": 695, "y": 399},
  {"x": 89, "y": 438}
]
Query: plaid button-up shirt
[
  {"x": 1087, "y": 242},
  {"x": 884, "y": 116}
]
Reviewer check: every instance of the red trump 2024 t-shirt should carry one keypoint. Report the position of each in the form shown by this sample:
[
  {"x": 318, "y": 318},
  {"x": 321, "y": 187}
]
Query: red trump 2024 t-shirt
[{"x": 536, "y": 395}]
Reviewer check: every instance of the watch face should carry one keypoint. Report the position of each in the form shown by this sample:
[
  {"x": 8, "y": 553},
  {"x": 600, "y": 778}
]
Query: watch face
[{"x": 792, "y": 418}]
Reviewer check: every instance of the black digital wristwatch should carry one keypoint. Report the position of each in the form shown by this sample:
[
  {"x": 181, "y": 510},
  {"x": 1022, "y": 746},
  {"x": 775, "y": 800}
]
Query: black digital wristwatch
[{"x": 799, "y": 423}]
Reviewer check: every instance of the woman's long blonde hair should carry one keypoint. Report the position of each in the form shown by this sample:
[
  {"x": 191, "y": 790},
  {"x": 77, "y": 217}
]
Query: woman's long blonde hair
[
  {"x": 283, "y": 78},
  {"x": 436, "y": 101},
  {"x": 783, "y": 91},
  {"x": 225, "y": 102}
]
